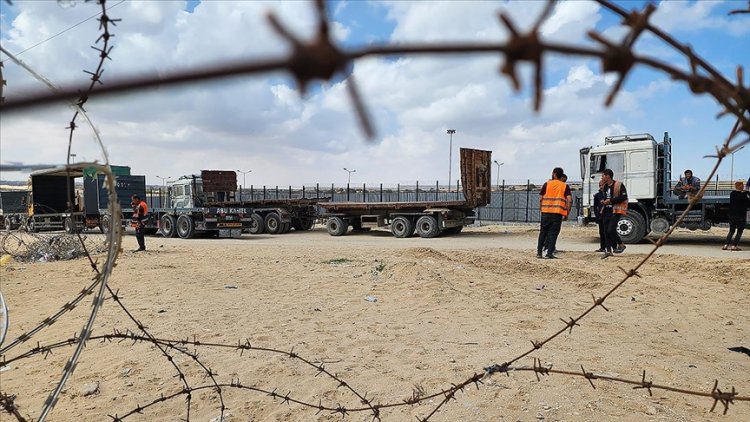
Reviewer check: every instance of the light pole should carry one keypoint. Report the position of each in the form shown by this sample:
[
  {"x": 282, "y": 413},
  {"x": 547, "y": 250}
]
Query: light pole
[
  {"x": 498, "y": 173},
  {"x": 243, "y": 180},
  {"x": 731, "y": 172},
  {"x": 164, "y": 184},
  {"x": 450, "y": 155},
  {"x": 73, "y": 157},
  {"x": 349, "y": 180},
  {"x": 164, "y": 180}
]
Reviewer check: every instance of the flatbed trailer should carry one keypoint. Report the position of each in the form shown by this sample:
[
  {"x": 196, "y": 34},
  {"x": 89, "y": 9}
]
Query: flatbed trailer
[{"x": 426, "y": 218}]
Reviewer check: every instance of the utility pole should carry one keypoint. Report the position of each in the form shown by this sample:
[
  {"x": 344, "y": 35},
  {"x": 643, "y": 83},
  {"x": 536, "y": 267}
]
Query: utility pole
[
  {"x": 243, "y": 180},
  {"x": 450, "y": 155}
]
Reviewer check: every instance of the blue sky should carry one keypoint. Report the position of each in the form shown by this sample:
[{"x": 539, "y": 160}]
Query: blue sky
[{"x": 261, "y": 123}]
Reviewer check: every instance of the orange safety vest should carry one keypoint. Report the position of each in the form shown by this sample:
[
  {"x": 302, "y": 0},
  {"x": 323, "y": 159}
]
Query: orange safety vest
[
  {"x": 553, "y": 200},
  {"x": 141, "y": 208},
  {"x": 620, "y": 207}
]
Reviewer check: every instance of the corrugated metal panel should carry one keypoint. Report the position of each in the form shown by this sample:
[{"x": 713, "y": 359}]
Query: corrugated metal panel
[
  {"x": 476, "y": 166},
  {"x": 51, "y": 193},
  {"x": 219, "y": 180},
  {"x": 13, "y": 201}
]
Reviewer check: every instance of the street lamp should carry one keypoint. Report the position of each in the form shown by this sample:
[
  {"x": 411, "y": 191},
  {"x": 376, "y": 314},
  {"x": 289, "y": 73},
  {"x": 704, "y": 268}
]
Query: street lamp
[
  {"x": 450, "y": 155},
  {"x": 73, "y": 157},
  {"x": 731, "y": 172},
  {"x": 349, "y": 180},
  {"x": 164, "y": 184},
  {"x": 164, "y": 180},
  {"x": 498, "y": 173},
  {"x": 243, "y": 181}
]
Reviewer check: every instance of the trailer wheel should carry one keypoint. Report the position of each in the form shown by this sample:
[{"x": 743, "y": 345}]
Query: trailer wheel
[
  {"x": 185, "y": 226},
  {"x": 257, "y": 226},
  {"x": 453, "y": 230},
  {"x": 31, "y": 226},
  {"x": 427, "y": 226},
  {"x": 631, "y": 227},
  {"x": 7, "y": 224},
  {"x": 273, "y": 223},
  {"x": 105, "y": 224},
  {"x": 285, "y": 228},
  {"x": 336, "y": 226},
  {"x": 168, "y": 226},
  {"x": 402, "y": 227}
]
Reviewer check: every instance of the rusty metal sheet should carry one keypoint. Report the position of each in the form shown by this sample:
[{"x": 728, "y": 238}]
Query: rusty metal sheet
[
  {"x": 476, "y": 166},
  {"x": 219, "y": 180}
]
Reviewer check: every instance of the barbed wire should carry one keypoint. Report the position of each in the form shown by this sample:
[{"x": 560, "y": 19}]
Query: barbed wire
[
  {"x": 320, "y": 58},
  {"x": 417, "y": 396},
  {"x": 43, "y": 247}
]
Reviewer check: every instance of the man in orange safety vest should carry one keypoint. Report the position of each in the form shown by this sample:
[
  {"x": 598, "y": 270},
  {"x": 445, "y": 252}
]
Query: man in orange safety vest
[{"x": 555, "y": 201}]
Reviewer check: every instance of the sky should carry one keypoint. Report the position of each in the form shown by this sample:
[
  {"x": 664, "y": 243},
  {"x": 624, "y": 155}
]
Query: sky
[{"x": 262, "y": 124}]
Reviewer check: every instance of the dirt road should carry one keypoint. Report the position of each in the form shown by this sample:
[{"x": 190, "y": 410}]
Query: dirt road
[{"x": 395, "y": 319}]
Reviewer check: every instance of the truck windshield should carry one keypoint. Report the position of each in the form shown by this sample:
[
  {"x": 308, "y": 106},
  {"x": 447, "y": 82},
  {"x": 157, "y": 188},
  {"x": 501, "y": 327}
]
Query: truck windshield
[{"x": 614, "y": 161}]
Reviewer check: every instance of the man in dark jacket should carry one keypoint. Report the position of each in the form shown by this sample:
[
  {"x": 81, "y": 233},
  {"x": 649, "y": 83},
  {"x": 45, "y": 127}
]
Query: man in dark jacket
[
  {"x": 739, "y": 203},
  {"x": 615, "y": 204}
]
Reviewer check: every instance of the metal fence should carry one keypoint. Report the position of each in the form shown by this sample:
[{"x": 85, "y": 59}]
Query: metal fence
[{"x": 510, "y": 202}]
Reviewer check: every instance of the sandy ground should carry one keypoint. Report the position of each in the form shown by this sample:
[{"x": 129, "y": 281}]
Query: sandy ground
[{"x": 446, "y": 308}]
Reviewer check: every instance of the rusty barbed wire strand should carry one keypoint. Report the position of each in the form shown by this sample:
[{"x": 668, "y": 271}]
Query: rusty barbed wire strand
[
  {"x": 741, "y": 11},
  {"x": 8, "y": 403},
  {"x": 726, "y": 398}
]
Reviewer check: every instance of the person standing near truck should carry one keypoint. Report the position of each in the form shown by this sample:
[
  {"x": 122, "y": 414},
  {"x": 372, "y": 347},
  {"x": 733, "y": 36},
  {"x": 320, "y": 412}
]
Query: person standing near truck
[
  {"x": 140, "y": 210},
  {"x": 555, "y": 200},
  {"x": 615, "y": 204},
  {"x": 739, "y": 203}
]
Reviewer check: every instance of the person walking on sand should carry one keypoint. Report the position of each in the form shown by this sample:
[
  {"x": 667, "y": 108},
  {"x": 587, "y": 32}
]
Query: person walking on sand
[
  {"x": 555, "y": 200},
  {"x": 615, "y": 204},
  {"x": 739, "y": 203}
]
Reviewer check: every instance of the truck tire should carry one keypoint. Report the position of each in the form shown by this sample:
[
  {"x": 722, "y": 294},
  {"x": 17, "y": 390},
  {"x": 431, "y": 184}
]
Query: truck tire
[
  {"x": 453, "y": 230},
  {"x": 632, "y": 227},
  {"x": 273, "y": 223},
  {"x": 427, "y": 227},
  {"x": 185, "y": 226},
  {"x": 7, "y": 224},
  {"x": 168, "y": 226},
  {"x": 32, "y": 226},
  {"x": 105, "y": 224},
  {"x": 402, "y": 227},
  {"x": 257, "y": 226},
  {"x": 337, "y": 226}
]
